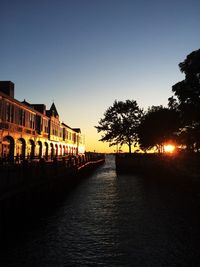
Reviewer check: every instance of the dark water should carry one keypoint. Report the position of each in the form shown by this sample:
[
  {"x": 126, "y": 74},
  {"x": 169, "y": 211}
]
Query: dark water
[{"x": 111, "y": 220}]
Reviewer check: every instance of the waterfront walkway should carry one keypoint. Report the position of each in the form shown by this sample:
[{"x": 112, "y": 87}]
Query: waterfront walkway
[{"x": 20, "y": 174}]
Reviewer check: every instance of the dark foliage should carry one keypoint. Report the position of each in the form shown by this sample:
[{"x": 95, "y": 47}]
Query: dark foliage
[
  {"x": 187, "y": 93},
  {"x": 157, "y": 126},
  {"x": 120, "y": 123}
]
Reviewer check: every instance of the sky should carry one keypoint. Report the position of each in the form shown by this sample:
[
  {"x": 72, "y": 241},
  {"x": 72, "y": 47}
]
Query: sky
[{"x": 85, "y": 54}]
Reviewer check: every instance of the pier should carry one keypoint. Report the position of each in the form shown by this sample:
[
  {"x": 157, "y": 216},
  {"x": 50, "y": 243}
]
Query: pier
[{"x": 29, "y": 185}]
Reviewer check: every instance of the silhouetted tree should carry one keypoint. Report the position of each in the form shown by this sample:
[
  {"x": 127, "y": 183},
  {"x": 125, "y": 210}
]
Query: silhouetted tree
[
  {"x": 172, "y": 103},
  {"x": 188, "y": 100},
  {"x": 120, "y": 123},
  {"x": 157, "y": 126}
]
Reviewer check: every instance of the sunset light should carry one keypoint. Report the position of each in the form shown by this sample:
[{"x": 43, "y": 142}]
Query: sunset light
[
  {"x": 169, "y": 148},
  {"x": 99, "y": 133}
]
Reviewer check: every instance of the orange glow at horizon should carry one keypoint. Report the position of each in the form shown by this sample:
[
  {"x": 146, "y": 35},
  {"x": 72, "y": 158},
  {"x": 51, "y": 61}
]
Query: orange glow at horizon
[{"x": 169, "y": 148}]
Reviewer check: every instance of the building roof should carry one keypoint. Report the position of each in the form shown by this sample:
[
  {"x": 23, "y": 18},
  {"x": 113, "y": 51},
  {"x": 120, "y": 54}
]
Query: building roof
[
  {"x": 26, "y": 103},
  {"x": 78, "y": 130},
  {"x": 52, "y": 111}
]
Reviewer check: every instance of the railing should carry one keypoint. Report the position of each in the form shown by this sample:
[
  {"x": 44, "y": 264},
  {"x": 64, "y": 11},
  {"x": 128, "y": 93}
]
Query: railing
[
  {"x": 15, "y": 175},
  {"x": 16, "y": 128},
  {"x": 78, "y": 159}
]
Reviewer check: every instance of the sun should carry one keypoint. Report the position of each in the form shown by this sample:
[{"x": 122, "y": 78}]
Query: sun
[{"x": 169, "y": 148}]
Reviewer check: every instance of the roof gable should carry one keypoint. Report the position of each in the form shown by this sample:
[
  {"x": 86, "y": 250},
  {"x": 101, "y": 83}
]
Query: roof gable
[{"x": 53, "y": 111}]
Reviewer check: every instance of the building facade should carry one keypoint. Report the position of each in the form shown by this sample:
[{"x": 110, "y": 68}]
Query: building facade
[{"x": 31, "y": 131}]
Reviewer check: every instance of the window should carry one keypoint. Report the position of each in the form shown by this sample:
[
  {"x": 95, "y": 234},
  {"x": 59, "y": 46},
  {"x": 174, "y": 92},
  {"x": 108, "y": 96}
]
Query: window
[
  {"x": 45, "y": 125},
  {"x": 8, "y": 112},
  {"x": 32, "y": 121}
]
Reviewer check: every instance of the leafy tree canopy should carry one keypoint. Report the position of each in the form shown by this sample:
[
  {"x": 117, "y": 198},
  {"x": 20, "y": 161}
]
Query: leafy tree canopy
[
  {"x": 120, "y": 122},
  {"x": 157, "y": 126},
  {"x": 188, "y": 90},
  {"x": 187, "y": 93},
  {"x": 191, "y": 65}
]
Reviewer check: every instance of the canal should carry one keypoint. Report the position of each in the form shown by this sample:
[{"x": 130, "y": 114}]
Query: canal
[{"x": 112, "y": 220}]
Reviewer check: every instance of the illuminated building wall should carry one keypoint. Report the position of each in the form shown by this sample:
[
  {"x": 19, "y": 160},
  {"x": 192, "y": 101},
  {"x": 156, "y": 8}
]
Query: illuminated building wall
[{"x": 29, "y": 130}]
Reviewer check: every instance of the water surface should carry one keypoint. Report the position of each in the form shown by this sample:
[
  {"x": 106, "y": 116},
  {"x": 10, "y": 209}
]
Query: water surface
[{"x": 110, "y": 220}]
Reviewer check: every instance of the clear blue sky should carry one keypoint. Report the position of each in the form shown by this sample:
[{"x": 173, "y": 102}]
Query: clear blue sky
[{"x": 84, "y": 54}]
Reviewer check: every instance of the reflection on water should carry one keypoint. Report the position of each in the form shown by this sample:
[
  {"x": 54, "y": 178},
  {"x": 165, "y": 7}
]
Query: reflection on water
[{"x": 111, "y": 220}]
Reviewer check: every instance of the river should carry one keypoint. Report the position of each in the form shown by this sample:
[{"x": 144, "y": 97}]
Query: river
[{"x": 112, "y": 220}]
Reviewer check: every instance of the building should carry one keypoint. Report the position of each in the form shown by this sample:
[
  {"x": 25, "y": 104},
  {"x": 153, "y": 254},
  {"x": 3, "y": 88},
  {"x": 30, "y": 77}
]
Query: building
[{"x": 31, "y": 131}]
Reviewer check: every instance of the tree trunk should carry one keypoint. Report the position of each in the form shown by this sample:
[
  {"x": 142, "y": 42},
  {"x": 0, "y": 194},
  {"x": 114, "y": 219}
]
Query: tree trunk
[{"x": 129, "y": 147}]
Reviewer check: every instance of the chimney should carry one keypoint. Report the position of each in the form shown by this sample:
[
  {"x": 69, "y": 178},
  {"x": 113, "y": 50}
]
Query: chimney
[{"x": 7, "y": 87}]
